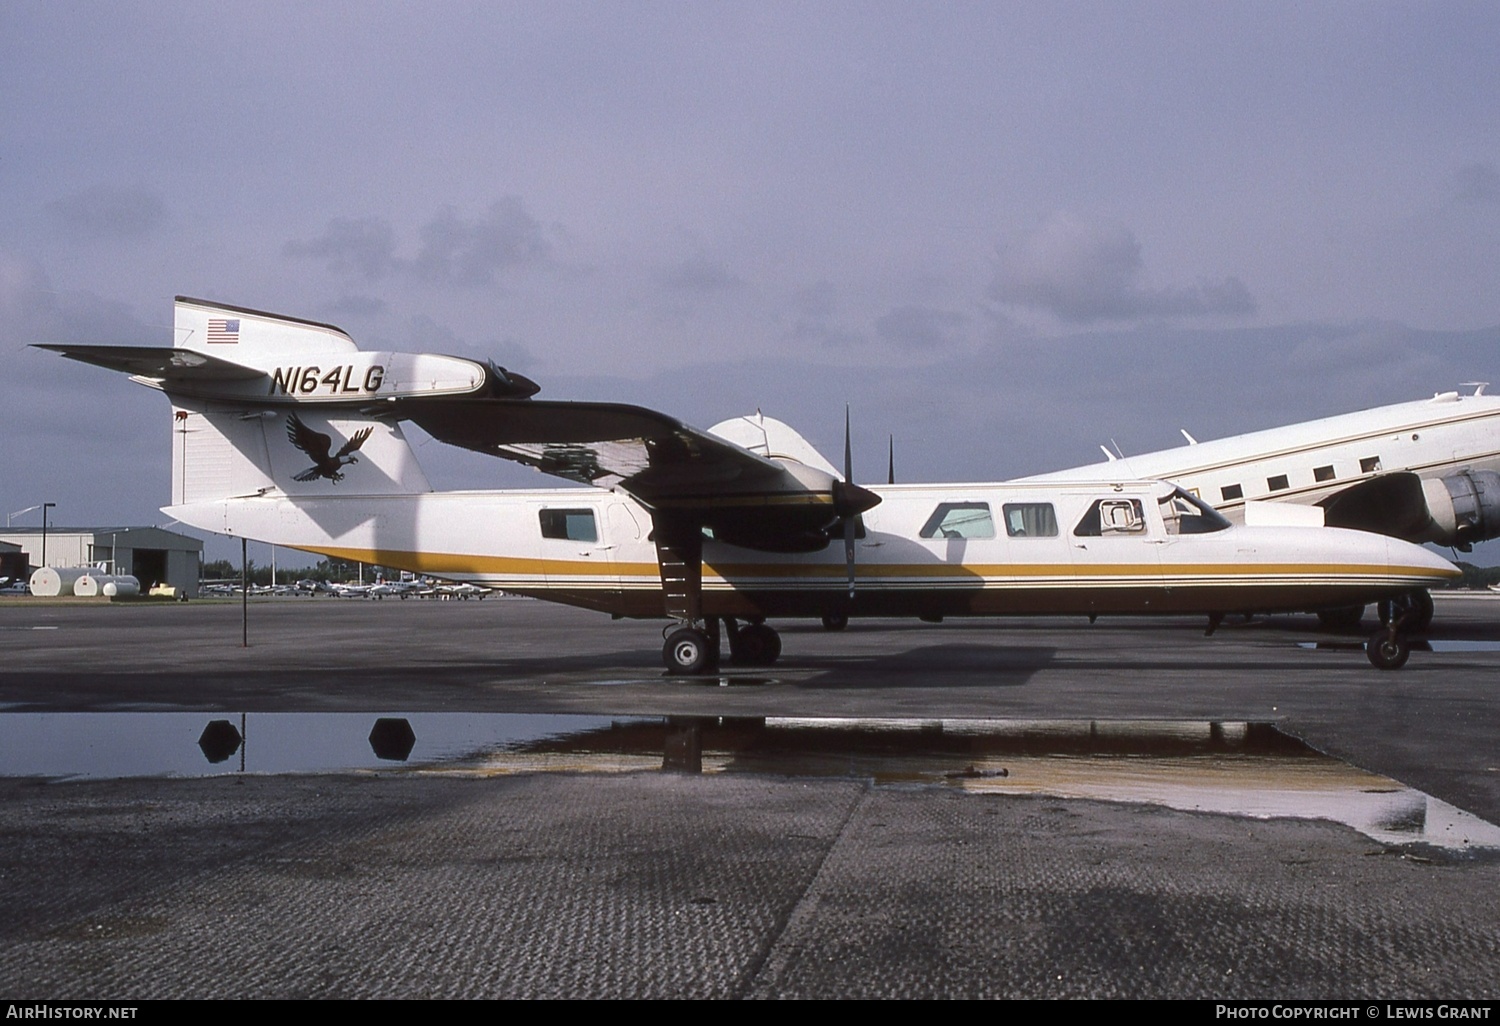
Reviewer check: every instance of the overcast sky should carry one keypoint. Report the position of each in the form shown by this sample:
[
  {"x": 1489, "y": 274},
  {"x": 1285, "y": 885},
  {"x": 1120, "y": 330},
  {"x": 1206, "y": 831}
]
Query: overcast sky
[{"x": 1002, "y": 232}]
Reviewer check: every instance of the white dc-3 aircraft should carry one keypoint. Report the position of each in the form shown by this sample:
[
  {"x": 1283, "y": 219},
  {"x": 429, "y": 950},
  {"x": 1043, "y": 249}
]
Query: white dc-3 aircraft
[
  {"x": 285, "y": 432},
  {"x": 1425, "y": 471}
]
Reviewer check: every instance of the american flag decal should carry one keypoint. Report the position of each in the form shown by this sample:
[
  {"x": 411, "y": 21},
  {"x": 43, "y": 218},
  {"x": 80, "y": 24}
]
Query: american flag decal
[{"x": 222, "y": 330}]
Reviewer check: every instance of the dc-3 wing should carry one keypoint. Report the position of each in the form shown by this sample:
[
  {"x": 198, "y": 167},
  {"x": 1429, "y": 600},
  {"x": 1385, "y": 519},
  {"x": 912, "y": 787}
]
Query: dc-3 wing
[
  {"x": 158, "y": 362},
  {"x": 671, "y": 468}
]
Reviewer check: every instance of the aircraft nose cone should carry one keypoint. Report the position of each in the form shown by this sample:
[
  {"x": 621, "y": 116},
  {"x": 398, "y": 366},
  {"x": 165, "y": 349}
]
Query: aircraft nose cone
[
  {"x": 1422, "y": 561},
  {"x": 851, "y": 500}
]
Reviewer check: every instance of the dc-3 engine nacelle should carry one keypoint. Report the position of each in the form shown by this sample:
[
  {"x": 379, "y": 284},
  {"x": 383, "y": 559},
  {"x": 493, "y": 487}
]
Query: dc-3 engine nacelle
[
  {"x": 1465, "y": 508},
  {"x": 1457, "y": 510}
]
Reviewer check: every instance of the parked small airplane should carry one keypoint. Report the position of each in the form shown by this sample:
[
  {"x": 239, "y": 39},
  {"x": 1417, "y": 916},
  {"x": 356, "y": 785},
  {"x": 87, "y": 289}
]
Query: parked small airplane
[
  {"x": 1425, "y": 471},
  {"x": 708, "y": 529}
]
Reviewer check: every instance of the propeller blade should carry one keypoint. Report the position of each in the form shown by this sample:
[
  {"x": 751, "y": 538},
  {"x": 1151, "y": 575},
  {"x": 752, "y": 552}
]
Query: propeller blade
[{"x": 848, "y": 520}]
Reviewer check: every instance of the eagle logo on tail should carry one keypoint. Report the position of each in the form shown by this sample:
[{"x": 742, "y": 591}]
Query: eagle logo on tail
[{"x": 317, "y": 445}]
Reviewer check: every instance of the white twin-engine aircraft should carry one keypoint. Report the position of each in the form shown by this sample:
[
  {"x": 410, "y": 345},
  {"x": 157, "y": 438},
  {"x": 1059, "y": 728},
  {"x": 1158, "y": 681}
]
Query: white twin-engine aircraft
[{"x": 283, "y": 431}]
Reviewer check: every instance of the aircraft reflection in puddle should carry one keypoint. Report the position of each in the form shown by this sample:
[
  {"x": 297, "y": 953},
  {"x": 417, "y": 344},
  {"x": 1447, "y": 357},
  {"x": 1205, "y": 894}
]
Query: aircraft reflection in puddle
[{"x": 1247, "y": 769}]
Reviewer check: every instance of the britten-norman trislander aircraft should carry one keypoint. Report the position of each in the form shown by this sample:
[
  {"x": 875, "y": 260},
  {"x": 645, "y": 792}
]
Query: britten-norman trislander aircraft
[{"x": 285, "y": 432}]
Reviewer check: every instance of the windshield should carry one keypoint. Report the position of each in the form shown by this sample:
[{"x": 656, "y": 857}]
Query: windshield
[{"x": 1185, "y": 513}]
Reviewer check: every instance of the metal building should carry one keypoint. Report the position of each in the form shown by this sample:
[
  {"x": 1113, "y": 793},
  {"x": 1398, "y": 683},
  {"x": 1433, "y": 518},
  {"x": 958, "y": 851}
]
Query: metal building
[{"x": 151, "y": 554}]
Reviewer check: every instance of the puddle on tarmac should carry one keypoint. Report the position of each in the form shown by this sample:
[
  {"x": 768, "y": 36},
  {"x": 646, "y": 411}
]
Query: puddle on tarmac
[{"x": 1247, "y": 769}]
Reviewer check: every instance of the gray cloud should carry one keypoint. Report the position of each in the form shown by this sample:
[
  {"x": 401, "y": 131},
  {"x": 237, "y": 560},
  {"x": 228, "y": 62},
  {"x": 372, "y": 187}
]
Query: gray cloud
[
  {"x": 814, "y": 309},
  {"x": 454, "y": 250},
  {"x": 425, "y": 335},
  {"x": 364, "y": 246},
  {"x": 1478, "y": 183},
  {"x": 700, "y": 274},
  {"x": 920, "y": 327},
  {"x": 459, "y": 251},
  {"x": 106, "y": 212},
  {"x": 1085, "y": 271}
]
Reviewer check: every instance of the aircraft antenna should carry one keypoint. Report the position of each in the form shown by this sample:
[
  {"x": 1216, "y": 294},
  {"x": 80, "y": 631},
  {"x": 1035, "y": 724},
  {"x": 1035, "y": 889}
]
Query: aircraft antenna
[
  {"x": 1478, "y": 386},
  {"x": 890, "y": 473},
  {"x": 1190, "y": 439}
]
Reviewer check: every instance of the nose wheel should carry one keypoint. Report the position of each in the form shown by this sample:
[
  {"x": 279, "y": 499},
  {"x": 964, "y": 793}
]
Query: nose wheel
[{"x": 1389, "y": 648}]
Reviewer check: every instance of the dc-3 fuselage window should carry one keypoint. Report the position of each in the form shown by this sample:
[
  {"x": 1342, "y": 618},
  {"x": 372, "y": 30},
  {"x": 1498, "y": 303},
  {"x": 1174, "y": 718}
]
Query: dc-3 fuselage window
[
  {"x": 1030, "y": 520},
  {"x": 1231, "y": 492},
  {"x": 960, "y": 520},
  {"x": 1112, "y": 517},
  {"x": 1185, "y": 513},
  {"x": 570, "y": 524}
]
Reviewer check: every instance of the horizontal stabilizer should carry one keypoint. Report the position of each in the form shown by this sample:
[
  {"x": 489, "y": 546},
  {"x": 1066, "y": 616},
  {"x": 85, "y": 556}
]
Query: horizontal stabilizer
[{"x": 158, "y": 362}]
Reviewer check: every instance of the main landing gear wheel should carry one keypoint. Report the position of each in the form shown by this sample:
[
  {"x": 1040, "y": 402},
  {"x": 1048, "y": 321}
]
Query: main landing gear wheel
[
  {"x": 755, "y": 644},
  {"x": 1388, "y": 650},
  {"x": 687, "y": 651},
  {"x": 835, "y": 621}
]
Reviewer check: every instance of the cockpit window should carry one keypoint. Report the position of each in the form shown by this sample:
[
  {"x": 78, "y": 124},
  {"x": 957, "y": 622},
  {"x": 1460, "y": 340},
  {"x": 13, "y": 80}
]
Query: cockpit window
[
  {"x": 960, "y": 520},
  {"x": 1112, "y": 517},
  {"x": 1030, "y": 520},
  {"x": 570, "y": 524},
  {"x": 1185, "y": 513}
]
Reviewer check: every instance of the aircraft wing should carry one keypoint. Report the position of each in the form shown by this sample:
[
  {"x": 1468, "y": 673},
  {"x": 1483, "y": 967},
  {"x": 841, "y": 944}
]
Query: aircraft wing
[
  {"x": 665, "y": 464},
  {"x": 645, "y": 453},
  {"x": 158, "y": 362}
]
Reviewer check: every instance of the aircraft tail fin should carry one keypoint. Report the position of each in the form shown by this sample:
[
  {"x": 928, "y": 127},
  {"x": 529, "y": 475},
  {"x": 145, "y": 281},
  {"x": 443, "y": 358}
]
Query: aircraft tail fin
[
  {"x": 241, "y": 335},
  {"x": 222, "y": 451}
]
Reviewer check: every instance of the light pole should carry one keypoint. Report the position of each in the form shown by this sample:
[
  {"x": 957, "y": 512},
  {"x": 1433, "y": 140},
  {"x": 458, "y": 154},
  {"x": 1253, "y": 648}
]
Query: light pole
[
  {"x": 45, "y": 507},
  {"x": 18, "y": 512}
]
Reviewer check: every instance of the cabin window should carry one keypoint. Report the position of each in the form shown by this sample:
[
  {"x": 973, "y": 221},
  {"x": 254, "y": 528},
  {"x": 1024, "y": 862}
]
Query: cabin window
[
  {"x": 570, "y": 524},
  {"x": 1232, "y": 492},
  {"x": 1030, "y": 520},
  {"x": 960, "y": 520},
  {"x": 1112, "y": 516},
  {"x": 1369, "y": 465},
  {"x": 1323, "y": 474},
  {"x": 1277, "y": 483}
]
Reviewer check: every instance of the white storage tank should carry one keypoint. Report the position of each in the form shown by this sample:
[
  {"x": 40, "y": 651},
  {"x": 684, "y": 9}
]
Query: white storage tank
[
  {"x": 50, "y": 582},
  {"x": 96, "y": 583},
  {"x": 121, "y": 586}
]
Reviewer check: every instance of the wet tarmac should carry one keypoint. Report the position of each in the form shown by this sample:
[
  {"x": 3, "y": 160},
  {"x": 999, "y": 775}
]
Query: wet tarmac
[{"x": 509, "y": 799}]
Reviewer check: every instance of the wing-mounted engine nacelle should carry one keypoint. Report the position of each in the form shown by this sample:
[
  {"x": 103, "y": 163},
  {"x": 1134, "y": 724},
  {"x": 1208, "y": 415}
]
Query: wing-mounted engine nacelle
[
  {"x": 1465, "y": 507},
  {"x": 1457, "y": 510},
  {"x": 500, "y": 383}
]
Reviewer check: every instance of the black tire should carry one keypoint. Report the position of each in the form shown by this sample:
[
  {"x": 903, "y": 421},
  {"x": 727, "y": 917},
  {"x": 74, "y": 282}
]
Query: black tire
[
  {"x": 687, "y": 651},
  {"x": 755, "y": 645},
  {"x": 1422, "y": 599},
  {"x": 1387, "y": 652},
  {"x": 835, "y": 621}
]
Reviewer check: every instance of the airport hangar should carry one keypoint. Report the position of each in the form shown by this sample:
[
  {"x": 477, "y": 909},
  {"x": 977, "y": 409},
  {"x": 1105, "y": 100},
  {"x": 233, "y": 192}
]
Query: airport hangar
[{"x": 152, "y": 555}]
